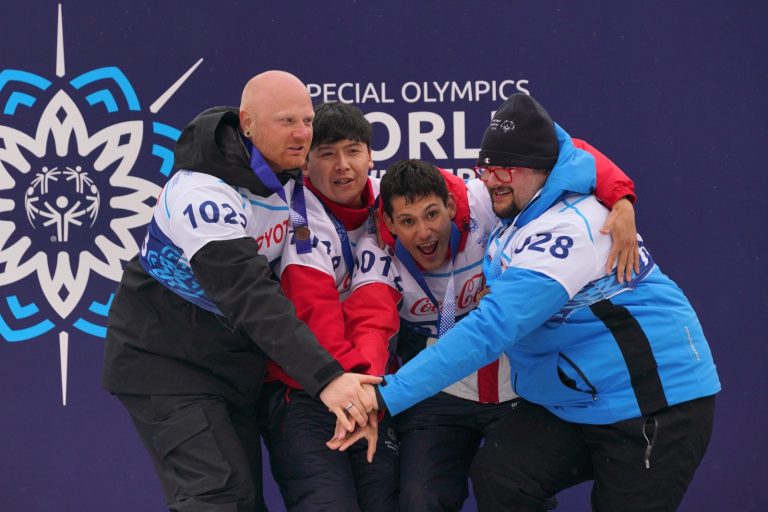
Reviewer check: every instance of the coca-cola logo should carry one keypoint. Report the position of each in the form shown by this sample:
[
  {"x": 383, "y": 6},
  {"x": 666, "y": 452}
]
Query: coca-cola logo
[
  {"x": 469, "y": 291},
  {"x": 423, "y": 307},
  {"x": 465, "y": 300}
]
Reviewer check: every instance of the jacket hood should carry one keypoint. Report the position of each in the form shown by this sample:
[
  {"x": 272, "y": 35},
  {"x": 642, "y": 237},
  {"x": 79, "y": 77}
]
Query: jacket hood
[
  {"x": 212, "y": 144},
  {"x": 574, "y": 172},
  {"x": 458, "y": 190}
]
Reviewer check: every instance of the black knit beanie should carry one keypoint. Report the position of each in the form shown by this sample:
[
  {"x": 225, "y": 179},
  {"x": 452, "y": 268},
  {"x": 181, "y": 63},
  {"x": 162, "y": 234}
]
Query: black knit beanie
[{"x": 521, "y": 134}]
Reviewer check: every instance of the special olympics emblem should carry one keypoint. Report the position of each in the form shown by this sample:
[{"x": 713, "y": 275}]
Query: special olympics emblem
[
  {"x": 61, "y": 198},
  {"x": 507, "y": 125},
  {"x": 71, "y": 207}
]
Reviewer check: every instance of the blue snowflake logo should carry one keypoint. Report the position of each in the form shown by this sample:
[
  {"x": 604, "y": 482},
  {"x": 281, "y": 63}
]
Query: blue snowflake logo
[{"x": 70, "y": 207}]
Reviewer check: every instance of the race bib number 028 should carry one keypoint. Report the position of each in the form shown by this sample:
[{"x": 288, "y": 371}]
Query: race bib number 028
[{"x": 543, "y": 242}]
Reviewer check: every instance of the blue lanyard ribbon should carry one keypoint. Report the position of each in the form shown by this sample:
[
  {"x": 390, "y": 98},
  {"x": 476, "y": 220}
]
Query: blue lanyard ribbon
[
  {"x": 446, "y": 316},
  {"x": 346, "y": 247},
  {"x": 297, "y": 209}
]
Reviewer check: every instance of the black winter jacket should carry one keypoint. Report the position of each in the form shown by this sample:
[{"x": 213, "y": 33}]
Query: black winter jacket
[{"x": 159, "y": 343}]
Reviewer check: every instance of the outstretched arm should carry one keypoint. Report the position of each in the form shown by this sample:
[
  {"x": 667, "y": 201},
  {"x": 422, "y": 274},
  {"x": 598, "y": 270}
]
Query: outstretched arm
[
  {"x": 239, "y": 281},
  {"x": 503, "y": 317}
]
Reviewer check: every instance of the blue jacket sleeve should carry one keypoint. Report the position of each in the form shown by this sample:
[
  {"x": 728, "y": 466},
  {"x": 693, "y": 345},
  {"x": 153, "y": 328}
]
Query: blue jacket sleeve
[{"x": 520, "y": 301}]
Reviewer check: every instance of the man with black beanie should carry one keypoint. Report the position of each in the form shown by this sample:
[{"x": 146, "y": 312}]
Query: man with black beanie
[{"x": 521, "y": 134}]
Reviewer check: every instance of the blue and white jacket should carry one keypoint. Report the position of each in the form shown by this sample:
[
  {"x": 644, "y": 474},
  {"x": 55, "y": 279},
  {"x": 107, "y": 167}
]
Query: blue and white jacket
[{"x": 589, "y": 349}]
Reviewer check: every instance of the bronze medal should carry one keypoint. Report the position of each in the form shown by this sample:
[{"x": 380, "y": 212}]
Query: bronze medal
[{"x": 302, "y": 233}]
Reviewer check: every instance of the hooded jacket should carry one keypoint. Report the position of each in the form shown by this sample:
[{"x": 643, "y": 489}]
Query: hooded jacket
[
  {"x": 159, "y": 338},
  {"x": 587, "y": 348}
]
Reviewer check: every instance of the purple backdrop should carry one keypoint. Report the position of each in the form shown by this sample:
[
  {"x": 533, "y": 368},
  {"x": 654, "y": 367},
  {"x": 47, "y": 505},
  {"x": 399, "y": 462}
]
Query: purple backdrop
[{"x": 674, "y": 93}]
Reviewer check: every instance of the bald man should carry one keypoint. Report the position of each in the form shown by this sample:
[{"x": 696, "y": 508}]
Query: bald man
[{"x": 198, "y": 311}]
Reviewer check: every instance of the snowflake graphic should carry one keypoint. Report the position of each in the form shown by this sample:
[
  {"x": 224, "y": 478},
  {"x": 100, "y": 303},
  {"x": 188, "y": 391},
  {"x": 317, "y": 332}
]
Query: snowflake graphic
[
  {"x": 70, "y": 177},
  {"x": 119, "y": 144}
]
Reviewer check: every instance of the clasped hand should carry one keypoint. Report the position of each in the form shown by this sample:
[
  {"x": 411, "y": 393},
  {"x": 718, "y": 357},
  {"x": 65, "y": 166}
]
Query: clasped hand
[
  {"x": 350, "y": 397},
  {"x": 344, "y": 437}
]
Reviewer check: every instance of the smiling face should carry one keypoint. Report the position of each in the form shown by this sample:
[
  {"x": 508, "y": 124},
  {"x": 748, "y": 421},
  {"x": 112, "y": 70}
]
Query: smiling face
[
  {"x": 339, "y": 170},
  {"x": 423, "y": 226},
  {"x": 277, "y": 110},
  {"x": 509, "y": 198}
]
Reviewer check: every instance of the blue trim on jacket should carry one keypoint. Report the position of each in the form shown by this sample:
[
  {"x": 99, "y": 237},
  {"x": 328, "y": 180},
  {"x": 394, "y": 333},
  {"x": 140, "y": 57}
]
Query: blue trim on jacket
[{"x": 593, "y": 385}]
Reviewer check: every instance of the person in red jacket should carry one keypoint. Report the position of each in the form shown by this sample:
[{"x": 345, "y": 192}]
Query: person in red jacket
[
  {"x": 340, "y": 197},
  {"x": 436, "y": 228}
]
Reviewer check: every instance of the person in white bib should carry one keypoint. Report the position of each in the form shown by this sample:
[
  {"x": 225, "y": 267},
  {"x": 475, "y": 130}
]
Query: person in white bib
[{"x": 198, "y": 311}]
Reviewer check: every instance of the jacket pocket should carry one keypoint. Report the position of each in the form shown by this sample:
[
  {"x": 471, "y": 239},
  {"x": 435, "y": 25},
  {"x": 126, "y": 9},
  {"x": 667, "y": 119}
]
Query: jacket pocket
[
  {"x": 573, "y": 377},
  {"x": 542, "y": 381},
  {"x": 195, "y": 462}
]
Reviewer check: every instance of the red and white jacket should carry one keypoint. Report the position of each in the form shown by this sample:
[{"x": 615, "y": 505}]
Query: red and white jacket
[
  {"x": 319, "y": 281},
  {"x": 380, "y": 272}
]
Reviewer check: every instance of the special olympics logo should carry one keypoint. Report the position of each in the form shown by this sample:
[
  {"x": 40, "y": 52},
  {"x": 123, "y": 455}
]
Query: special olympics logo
[
  {"x": 47, "y": 203},
  {"x": 507, "y": 125},
  {"x": 70, "y": 207}
]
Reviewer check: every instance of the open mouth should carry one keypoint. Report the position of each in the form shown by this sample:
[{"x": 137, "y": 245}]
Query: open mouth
[
  {"x": 343, "y": 181},
  {"x": 427, "y": 249}
]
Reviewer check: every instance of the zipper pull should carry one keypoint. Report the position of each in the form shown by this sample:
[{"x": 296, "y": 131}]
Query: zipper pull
[{"x": 650, "y": 421}]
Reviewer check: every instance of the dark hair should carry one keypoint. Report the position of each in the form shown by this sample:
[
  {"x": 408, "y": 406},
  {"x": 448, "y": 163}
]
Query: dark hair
[
  {"x": 336, "y": 121},
  {"x": 412, "y": 179}
]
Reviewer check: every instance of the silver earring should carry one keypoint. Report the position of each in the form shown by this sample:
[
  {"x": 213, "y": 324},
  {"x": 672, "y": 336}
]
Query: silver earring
[{"x": 247, "y": 133}]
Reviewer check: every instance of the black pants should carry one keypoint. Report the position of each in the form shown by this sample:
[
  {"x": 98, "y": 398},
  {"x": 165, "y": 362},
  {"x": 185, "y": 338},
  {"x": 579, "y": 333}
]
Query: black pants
[
  {"x": 208, "y": 456},
  {"x": 312, "y": 477},
  {"x": 438, "y": 440},
  {"x": 639, "y": 464}
]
